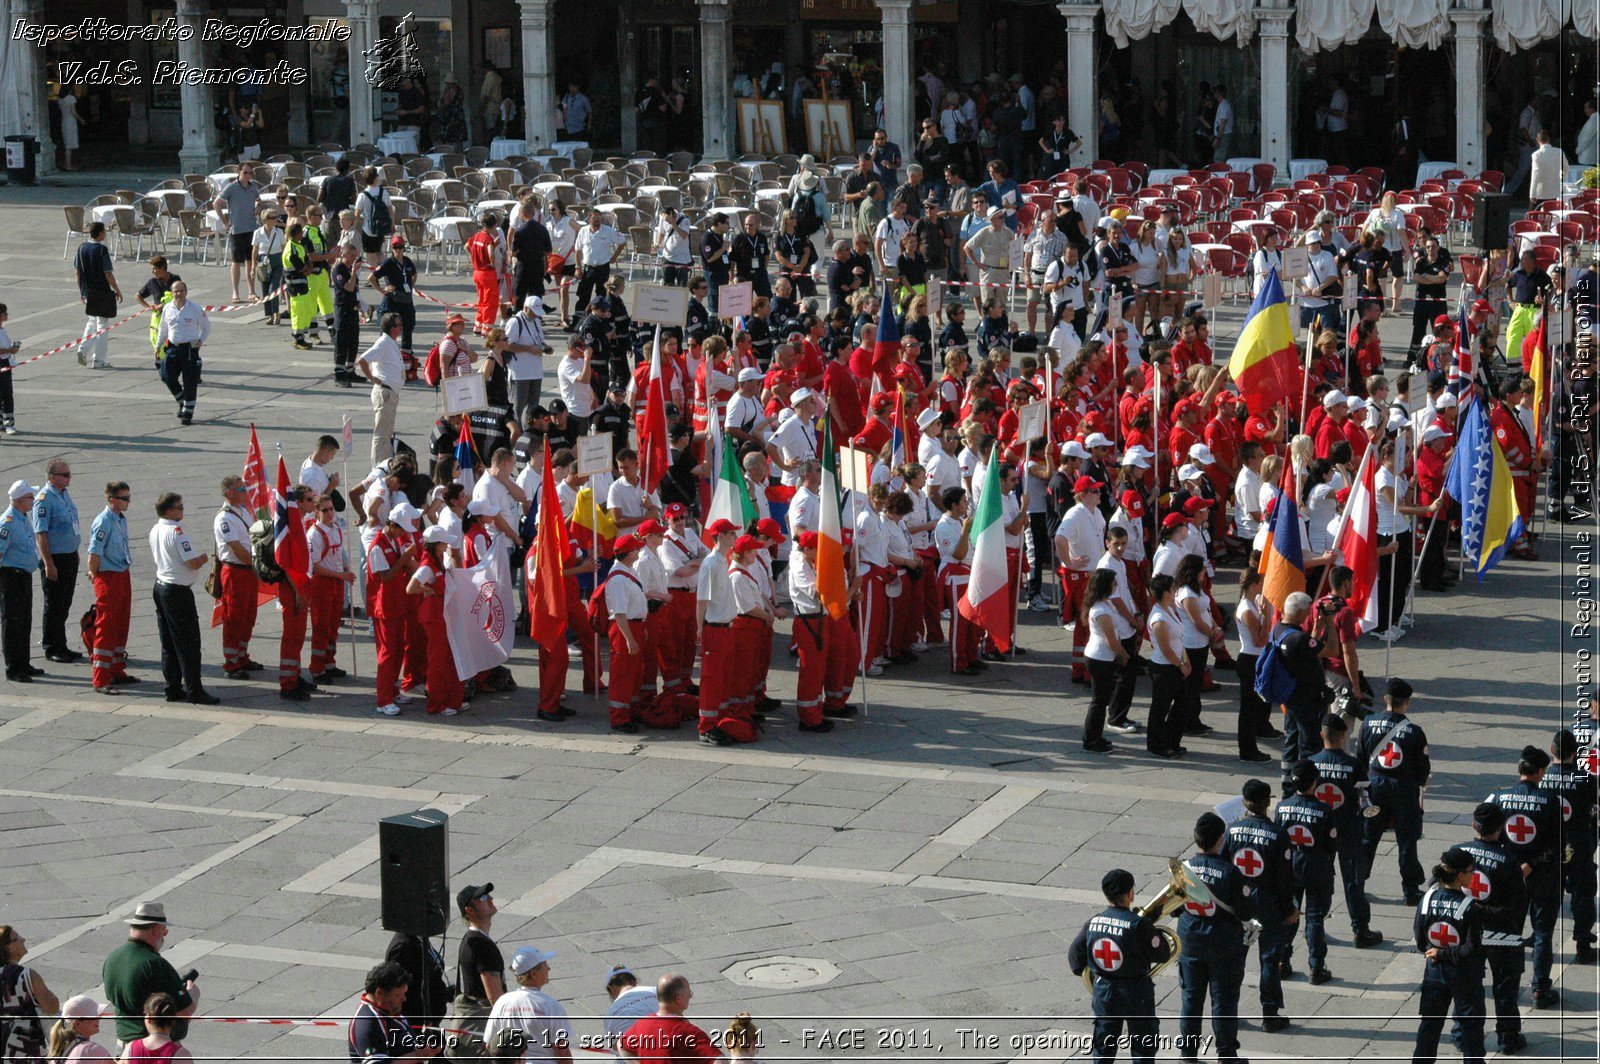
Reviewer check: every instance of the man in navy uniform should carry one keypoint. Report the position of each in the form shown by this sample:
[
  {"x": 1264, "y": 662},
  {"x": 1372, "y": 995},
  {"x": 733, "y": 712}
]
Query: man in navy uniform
[
  {"x": 1395, "y": 750},
  {"x": 1448, "y": 932},
  {"x": 1214, "y": 948},
  {"x": 1340, "y": 778},
  {"x": 1496, "y": 886},
  {"x": 1259, "y": 849},
  {"x": 1573, "y": 779},
  {"x": 1313, "y": 840},
  {"x": 1119, "y": 946},
  {"x": 1532, "y": 835}
]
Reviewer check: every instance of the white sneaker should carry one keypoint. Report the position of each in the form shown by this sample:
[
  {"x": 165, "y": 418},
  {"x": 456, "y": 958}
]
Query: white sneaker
[
  {"x": 1039, "y": 605},
  {"x": 875, "y": 670},
  {"x": 83, "y": 357},
  {"x": 448, "y": 712},
  {"x": 11, "y": 430},
  {"x": 402, "y": 697},
  {"x": 391, "y": 710},
  {"x": 920, "y": 647}
]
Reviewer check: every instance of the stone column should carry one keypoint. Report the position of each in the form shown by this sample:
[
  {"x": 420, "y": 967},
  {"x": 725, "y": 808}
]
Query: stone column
[
  {"x": 364, "y": 109},
  {"x": 538, "y": 86},
  {"x": 27, "y": 86},
  {"x": 716, "y": 79},
  {"x": 628, "y": 79},
  {"x": 1274, "y": 30},
  {"x": 1469, "y": 21},
  {"x": 1083, "y": 92},
  {"x": 897, "y": 102},
  {"x": 199, "y": 154}
]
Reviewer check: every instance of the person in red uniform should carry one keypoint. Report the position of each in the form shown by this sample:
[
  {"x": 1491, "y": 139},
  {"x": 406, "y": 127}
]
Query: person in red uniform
[
  {"x": 817, "y": 652},
  {"x": 952, "y": 381},
  {"x": 750, "y": 628},
  {"x": 1267, "y": 430},
  {"x": 681, "y": 553},
  {"x": 623, "y": 598},
  {"x": 1337, "y": 408},
  {"x": 329, "y": 579},
  {"x": 1132, "y": 398},
  {"x": 389, "y": 568},
  {"x": 715, "y": 610},
  {"x": 844, "y": 396},
  {"x": 877, "y": 431},
  {"x": 414, "y": 665},
  {"x": 294, "y": 600},
  {"x": 1355, "y": 432},
  {"x": 445, "y": 689},
  {"x": 484, "y": 252},
  {"x": 1223, "y": 435},
  {"x": 1187, "y": 424},
  {"x": 553, "y": 655},
  {"x": 1433, "y": 461},
  {"x": 1512, "y": 437},
  {"x": 113, "y": 591}
]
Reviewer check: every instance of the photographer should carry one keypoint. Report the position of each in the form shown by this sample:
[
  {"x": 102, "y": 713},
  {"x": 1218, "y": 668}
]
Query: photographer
[
  {"x": 1352, "y": 695},
  {"x": 1302, "y": 650}
]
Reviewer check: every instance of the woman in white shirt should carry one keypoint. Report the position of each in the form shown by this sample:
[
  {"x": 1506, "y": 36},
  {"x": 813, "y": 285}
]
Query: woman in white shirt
[
  {"x": 1169, "y": 666},
  {"x": 1317, "y": 501},
  {"x": 1196, "y": 633},
  {"x": 1177, "y": 272},
  {"x": 1266, "y": 259},
  {"x": 1148, "y": 264},
  {"x": 1254, "y": 614},
  {"x": 266, "y": 249},
  {"x": 1171, "y": 545},
  {"x": 1388, "y": 222},
  {"x": 563, "y": 236},
  {"x": 1104, "y": 654},
  {"x": 1395, "y": 541}
]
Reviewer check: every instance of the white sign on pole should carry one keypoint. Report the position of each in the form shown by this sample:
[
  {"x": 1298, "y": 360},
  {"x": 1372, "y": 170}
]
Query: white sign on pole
[
  {"x": 661, "y": 304},
  {"x": 935, "y": 300},
  {"x": 1211, "y": 289},
  {"x": 1347, "y": 302},
  {"x": 1296, "y": 262},
  {"x": 347, "y": 437},
  {"x": 594, "y": 454},
  {"x": 464, "y": 394},
  {"x": 855, "y": 469},
  {"x": 1031, "y": 421},
  {"x": 733, "y": 300}
]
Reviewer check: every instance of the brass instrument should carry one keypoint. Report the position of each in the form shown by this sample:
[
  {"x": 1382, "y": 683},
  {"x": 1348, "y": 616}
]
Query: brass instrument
[{"x": 1183, "y": 887}]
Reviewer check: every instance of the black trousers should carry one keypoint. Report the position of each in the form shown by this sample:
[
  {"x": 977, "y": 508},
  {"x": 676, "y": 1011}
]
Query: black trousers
[
  {"x": 407, "y": 309},
  {"x": 676, "y": 276},
  {"x": 58, "y": 602},
  {"x": 1164, "y": 729},
  {"x": 1432, "y": 571},
  {"x": 346, "y": 339},
  {"x": 179, "y": 626},
  {"x": 1394, "y": 578},
  {"x": 1039, "y": 539},
  {"x": 1254, "y": 713},
  {"x": 8, "y": 402},
  {"x": 530, "y": 282},
  {"x": 180, "y": 371},
  {"x": 591, "y": 282},
  {"x": 1427, "y": 308},
  {"x": 16, "y": 615}
]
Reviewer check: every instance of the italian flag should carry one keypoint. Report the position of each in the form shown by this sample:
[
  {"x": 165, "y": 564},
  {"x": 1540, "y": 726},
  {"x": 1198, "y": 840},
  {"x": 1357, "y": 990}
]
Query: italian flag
[
  {"x": 985, "y": 602},
  {"x": 729, "y": 497},
  {"x": 832, "y": 587}
]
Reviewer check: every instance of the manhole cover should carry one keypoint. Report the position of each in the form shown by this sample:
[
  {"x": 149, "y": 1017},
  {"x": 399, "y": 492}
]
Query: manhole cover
[{"x": 783, "y": 973}]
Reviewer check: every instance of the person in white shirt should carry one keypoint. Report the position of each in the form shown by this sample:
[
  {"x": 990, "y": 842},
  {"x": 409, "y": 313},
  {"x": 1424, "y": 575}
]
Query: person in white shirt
[
  {"x": 184, "y": 327},
  {"x": 715, "y": 610},
  {"x": 805, "y": 508},
  {"x": 384, "y": 366},
  {"x": 573, "y": 375},
  {"x": 795, "y": 440},
  {"x": 525, "y": 350},
  {"x": 1247, "y": 492},
  {"x": 1254, "y": 614},
  {"x": 1111, "y": 671},
  {"x": 1549, "y": 170},
  {"x": 1588, "y": 149},
  {"x": 1318, "y": 285},
  {"x": 1267, "y": 257},
  {"x": 886, "y": 239},
  {"x": 538, "y": 1023},
  {"x": 178, "y": 568},
  {"x": 629, "y": 609},
  {"x": 1222, "y": 127},
  {"x": 629, "y": 1002},
  {"x": 596, "y": 247},
  {"x": 499, "y": 489},
  {"x": 237, "y": 576},
  {"x": 1079, "y": 540},
  {"x": 630, "y": 504},
  {"x": 745, "y": 419},
  {"x": 1126, "y": 625},
  {"x": 672, "y": 245}
]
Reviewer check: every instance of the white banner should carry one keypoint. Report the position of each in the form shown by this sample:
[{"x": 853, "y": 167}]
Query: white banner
[{"x": 480, "y": 612}]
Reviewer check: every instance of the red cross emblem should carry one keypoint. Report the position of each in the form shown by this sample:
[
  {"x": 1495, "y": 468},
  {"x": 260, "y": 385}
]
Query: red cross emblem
[
  {"x": 1301, "y": 835},
  {"x": 1108, "y": 955},
  {"x": 1521, "y": 829},
  {"x": 1443, "y": 935},
  {"x": 1589, "y": 758},
  {"x": 1206, "y": 909},
  {"x": 1566, "y": 810},
  {"x": 1389, "y": 756},
  {"x": 1330, "y": 795},
  {"x": 1249, "y": 862},
  {"x": 1478, "y": 886}
]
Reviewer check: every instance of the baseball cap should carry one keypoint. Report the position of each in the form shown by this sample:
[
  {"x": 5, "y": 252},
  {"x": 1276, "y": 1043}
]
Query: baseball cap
[
  {"x": 481, "y": 508},
  {"x": 22, "y": 488},
  {"x": 1434, "y": 432},
  {"x": 1096, "y": 439},
  {"x": 1190, "y": 471},
  {"x": 626, "y": 543},
  {"x": 1132, "y": 503},
  {"x": 471, "y": 893},
  {"x": 800, "y": 395},
  {"x": 1174, "y": 520},
  {"x": 1194, "y": 504},
  {"x": 398, "y": 241},
  {"x": 1131, "y": 458},
  {"x": 993, "y": 211},
  {"x": 1087, "y": 484},
  {"x": 806, "y": 540},
  {"x": 528, "y": 958},
  {"x": 1073, "y": 449},
  {"x": 1333, "y": 399},
  {"x": 749, "y": 373},
  {"x": 1446, "y": 401},
  {"x": 675, "y": 510},
  {"x": 770, "y": 529},
  {"x": 651, "y": 528},
  {"x": 533, "y": 303},
  {"x": 747, "y": 543},
  {"x": 880, "y": 402},
  {"x": 83, "y": 1007},
  {"x": 1481, "y": 306},
  {"x": 1443, "y": 321},
  {"x": 406, "y": 516},
  {"x": 1202, "y": 454},
  {"x": 436, "y": 534},
  {"x": 721, "y": 525}
]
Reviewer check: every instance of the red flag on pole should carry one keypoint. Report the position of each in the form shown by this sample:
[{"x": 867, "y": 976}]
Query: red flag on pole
[
  {"x": 255, "y": 477},
  {"x": 289, "y": 547},
  {"x": 653, "y": 453},
  {"x": 547, "y": 588}
]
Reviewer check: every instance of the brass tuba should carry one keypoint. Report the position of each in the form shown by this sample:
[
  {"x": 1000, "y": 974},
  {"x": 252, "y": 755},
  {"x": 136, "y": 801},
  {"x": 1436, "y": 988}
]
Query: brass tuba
[{"x": 1183, "y": 887}]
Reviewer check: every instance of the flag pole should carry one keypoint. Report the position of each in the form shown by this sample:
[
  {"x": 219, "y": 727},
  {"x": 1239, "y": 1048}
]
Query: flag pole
[
  {"x": 1305, "y": 375},
  {"x": 594, "y": 543},
  {"x": 350, "y": 598}
]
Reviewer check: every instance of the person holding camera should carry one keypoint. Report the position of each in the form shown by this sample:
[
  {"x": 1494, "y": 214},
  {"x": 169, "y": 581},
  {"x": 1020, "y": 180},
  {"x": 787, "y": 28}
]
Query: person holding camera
[
  {"x": 1302, "y": 649},
  {"x": 1352, "y": 695},
  {"x": 135, "y": 970}
]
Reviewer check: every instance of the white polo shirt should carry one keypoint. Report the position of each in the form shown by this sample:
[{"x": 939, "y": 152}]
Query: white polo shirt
[{"x": 172, "y": 549}]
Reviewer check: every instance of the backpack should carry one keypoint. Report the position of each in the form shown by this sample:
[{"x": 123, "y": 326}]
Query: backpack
[
  {"x": 432, "y": 368},
  {"x": 807, "y": 221},
  {"x": 21, "y": 1033},
  {"x": 597, "y": 612},
  {"x": 262, "y": 558},
  {"x": 382, "y": 223},
  {"x": 1272, "y": 680}
]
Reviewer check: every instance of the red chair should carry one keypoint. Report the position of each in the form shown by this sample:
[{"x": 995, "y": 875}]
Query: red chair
[
  {"x": 1432, "y": 187},
  {"x": 1552, "y": 205},
  {"x": 1264, "y": 173},
  {"x": 1349, "y": 189},
  {"x": 1123, "y": 182},
  {"x": 1546, "y": 255},
  {"x": 1242, "y": 214},
  {"x": 1217, "y": 231},
  {"x": 1305, "y": 213},
  {"x": 1320, "y": 180},
  {"x": 1100, "y": 186},
  {"x": 1469, "y": 188},
  {"x": 1303, "y": 185},
  {"x": 1337, "y": 200},
  {"x": 1151, "y": 212},
  {"x": 1243, "y": 243},
  {"x": 1374, "y": 174},
  {"x": 1285, "y": 218},
  {"x": 1185, "y": 181},
  {"x": 1351, "y": 233},
  {"x": 1494, "y": 179},
  {"x": 1452, "y": 175},
  {"x": 1102, "y": 165},
  {"x": 1471, "y": 269},
  {"x": 1140, "y": 170},
  {"x": 1027, "y": 213},
  {"x": 1277, "y": 195},
  {"x": 1432, "y": 217},
  {"x": 1548, "y": 240},
  {"x": 1192, "y": 198},
  {"x": 1244, "y": 183},
  {"x": 1200, "y": 175},
  {"x": 1545, "y": 219},
  {"x": 1588, "y": 225},
  {"x": 1571, "y": 231},
  {"x": 1224, "y": 187},
  {"x": 1219, "y": 168},
  {"x": 1525, "y": 225}
]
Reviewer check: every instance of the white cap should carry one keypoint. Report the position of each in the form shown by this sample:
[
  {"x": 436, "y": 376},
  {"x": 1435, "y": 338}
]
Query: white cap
[
  {"x": 534, "y": 303},
  {"x": 83, "y": 1007},
  {"x": 1444, "y": 402},
  {"x": 405, "y": 515},
  {"x": 1202, "y": 454},
  {"x": 482, "y": 508},
  {"x": 1135, "y": 460},
  {"x": 800, "y": 395},
  {"x": 1096, "y": 439},
  {"x": 1357, "y": 403},
  {"x": 1073, "y": 449},
  {"x": 993, "y": 211},
  {"x": 927, "y": 418},
  {"x": 749, "y": 373},
  {"x": 528, "y": 958},
  {"x": 437, "y": 534},
  {"x": 1333, "y": 399},
  {"x": 1398, "y": 422},
  {"x": 1141, "y": 450},
  {"x": 1190, "y": 472},
  {"x": 21, "y": 488},
  {"x": 1434, "y": 432}
]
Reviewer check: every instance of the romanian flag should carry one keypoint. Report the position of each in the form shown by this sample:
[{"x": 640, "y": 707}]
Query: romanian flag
[
  {"x": 1266, "y": 363},
  {"x": 1480, "y": 480},
  {"x": 547, "y": 588},
  {"x": 1535, "y": 359},
  {"x": 832, "y": 587},
  {"x": 1283, "y": 567},
  {"x": 594, "y": 520}
]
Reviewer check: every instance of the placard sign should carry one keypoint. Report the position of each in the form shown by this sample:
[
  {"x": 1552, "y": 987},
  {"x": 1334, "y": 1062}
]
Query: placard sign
[
  {"x": 733, "y": 300},
  {"x": 1211, "y": 289},
  {"x": 594, "y": 454},
  {"x": 935, "y": 300},
  {"x": 1031, "y": 421},
  {"x": 464, "y": 394},
  {"x": 661, "y": 304},
  {"x": 855, "y": 469},
  {"x": 1296, "y": 262}
]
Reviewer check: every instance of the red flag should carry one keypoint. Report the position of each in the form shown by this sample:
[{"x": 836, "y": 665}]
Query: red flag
[
  {"x": 259, "y": 498},
  {"x": 653, "y": 453},
  {"x": 1358, "y": 541},
  {"x": 289, "y": 547},
  {"x": 547, "y": 588}
]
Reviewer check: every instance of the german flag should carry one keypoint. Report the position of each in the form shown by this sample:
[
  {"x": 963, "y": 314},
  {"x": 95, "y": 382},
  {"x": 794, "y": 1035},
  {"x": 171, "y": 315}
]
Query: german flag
[{"x": 1265, "y": 362}]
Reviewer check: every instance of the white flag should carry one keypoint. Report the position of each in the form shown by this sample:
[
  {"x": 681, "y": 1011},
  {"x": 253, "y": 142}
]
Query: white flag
[{"x": 479, "y": 614}]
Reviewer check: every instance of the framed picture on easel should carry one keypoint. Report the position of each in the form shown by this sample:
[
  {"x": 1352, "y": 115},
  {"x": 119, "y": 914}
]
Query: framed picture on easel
[
  {"x": 828, "y": 128},
  {"x": 761, "y": 127}
]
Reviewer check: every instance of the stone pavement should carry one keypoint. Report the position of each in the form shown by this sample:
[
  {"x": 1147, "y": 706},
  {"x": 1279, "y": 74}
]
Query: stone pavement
[{"x": 869, "y": 893}]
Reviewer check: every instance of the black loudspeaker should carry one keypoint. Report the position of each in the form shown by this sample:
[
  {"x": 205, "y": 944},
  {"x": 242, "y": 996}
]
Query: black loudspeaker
[
  {"x": 414, "y": 861},
  {"x": 1491, "y": 220}
]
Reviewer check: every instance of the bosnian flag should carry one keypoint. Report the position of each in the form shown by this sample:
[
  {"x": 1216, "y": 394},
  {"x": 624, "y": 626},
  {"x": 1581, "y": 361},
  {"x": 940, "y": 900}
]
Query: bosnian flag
[
  {"x": 984, "y": 603},
  {"x": 466, "y": 456},
  {"x": 1357, "y": 541},
  {"x": 653, "y": 453},
  {"x": 255, "y": 477},
  {"x": 289, "y": 548}
]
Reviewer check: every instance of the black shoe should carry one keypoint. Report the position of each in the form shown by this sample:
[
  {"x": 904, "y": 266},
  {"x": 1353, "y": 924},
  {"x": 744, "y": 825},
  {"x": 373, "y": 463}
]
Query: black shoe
[
  {"x": 1368, "y": 939},
  {"x": 203, "y": 697},
  {"x": 1269, "y": 732},
  {"x": 981, "y": 665},
  {"x": 186, "y": 421},
  {"x": 563, "y": 712},
  {"x": 63, "y": 657},
  {"x": 1413, "y": 898},
  {"x": 1274, "y": 1022},
  {"x": 1255, "y": 755},
  {"x": 118, "y": 681},
  {"x": 716, "y": 737},
  {"x": 307, "y": 687},
  {"x": 630, "y": 728},
  {"x": 18, "y": 677},
  {"x": 553, "y": 718},
  {"x": 970, "y": 670},
  {"x": 1285, "y": 970},
  {"x": 1320, "y": 975},
  {"x": 823, "y": 725},
  {"x": 1512, "y": 1044},
  {"x": 903, "y": 659},
  {"x": 769, "y": 705},
  {"x": 251, "y": 665},
  {"x": 1585, "y": 955},
  {"x": 294, "y": 694},
  {"x": 1168, "y": 754},
  {"x": 332, "y": 672},
  {"x": 32, "y": 670},
  {"x": 839, "y": 712},
  {"x": 1546, "y": 999},
  {"x": 1099, "y": 746},
  {"x": 691, "y": 688},
  {"x": 1018, "y": 652},
  {"x": 1198, "y": 729},
  {"x": 173, "y": 694},
  {"x": 993, "y": 655}
]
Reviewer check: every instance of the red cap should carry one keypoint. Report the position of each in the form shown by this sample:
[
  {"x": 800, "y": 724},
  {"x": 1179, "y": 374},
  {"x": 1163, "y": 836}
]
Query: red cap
[
  {"x": 1173, "y": 521},
  {"x": 770, "y": 529},
  {"x": 675, "y": 510},
  {"x": 398, "y": 241},
  {"x": 881, "y": 402},
  {"x": 1224, "y": 397},
  {"x": 1482, "y": 306},
  {"x": 846, "y": 537},
  {"x": 451, "y": 319},
  {"x": 1343, "y": 495},
  {"x": 806, "y": 540},
  {"x": 746, "y": 544},
  {"x": 626, "y": 543},
  {"x": 651, "y": 528},
  {"x": 1186, "y": 405},
  {"x": 1194, "y": 504},
  {"x": 1087, "y": 484},
  {"x": 721, "y": 525},
  {"x": 1443, "y": 321},
  {"x": 1132, "y": 503}
]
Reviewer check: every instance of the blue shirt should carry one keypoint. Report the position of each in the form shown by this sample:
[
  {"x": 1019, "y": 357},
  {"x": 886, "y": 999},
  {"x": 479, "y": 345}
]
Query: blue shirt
[
  {"x": 108, "y": 538},
  {"x": 997, "y": 193},
  {"x": 17, "y": 547},
  {"x": 56, "y": 515}
]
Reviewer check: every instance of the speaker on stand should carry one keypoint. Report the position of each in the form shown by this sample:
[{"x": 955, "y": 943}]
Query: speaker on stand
[
  {"x": 414, "y": 870},
  {"x": 1491, "y": 220}
]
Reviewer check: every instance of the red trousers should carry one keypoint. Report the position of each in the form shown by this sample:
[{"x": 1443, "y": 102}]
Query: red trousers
[
  {"x": 240, "y": 592},
  {"x": 966, "y": 638},
  {"x": 1137, "y": 586},
  {"x": 626, "y": 669},
  {"x": 657, "y": 630},
  {"x": 445, "y": 689},
  {"x": 1524, "y": 487},
  {"x": 716, "y": 665},
  {"x": 905, "y": 613},
  {"x": 414, "y": 669},
  {"x": 810, "y": 635},
  {"x": 932, "y": 598},
  {"x": 677, "y": 648},
  {"x": 389, "y": 633},
  {"x": 327, "y": 608},
  {"x": 747, "y": 674},
  {"x": 488, "y": 282},
  {"x": 843, "y": 649},
  {"x": 553, "y": 661},
  {"x": 113, "y": 597},
  {"x": 296, "y": 612},
  {"x": 872, "y": 615},
  {"x": 1075, "y": 585}
]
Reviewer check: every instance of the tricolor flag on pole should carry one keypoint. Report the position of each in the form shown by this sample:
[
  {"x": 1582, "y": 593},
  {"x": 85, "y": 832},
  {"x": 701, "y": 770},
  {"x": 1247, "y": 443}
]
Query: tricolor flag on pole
[
  {"x": 1266, "y": 362},
  {"x": 832, "y": 587},
  {"x": 255, "y": 477},
  {"x": 900, "y": 433},
  {"x": 547, "y": 595},
  {"x": 886, "y": 349},
  {"x": 653, "y": 453},
  {"x": 729, "y": 497},
  {"x": 985, "y": 601},
  {"x": 1357, "y": 541},
  {"x": 466, "y": 456},
  {"x": 1535, "y": 359},
  {"x": 289, "y": 547},
  {"x": 1283, "y": 566}
]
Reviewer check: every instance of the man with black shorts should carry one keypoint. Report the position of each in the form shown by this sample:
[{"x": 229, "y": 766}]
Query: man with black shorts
[{"x": 240, "y": 199}]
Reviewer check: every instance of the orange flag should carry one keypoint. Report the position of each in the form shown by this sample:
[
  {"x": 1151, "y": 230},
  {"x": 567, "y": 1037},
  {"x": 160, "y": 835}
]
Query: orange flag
[{"x": 547, "y": 588}]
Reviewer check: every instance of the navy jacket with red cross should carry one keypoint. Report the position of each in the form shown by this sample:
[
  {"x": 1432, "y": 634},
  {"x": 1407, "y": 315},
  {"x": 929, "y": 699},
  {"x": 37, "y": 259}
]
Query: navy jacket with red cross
[
  {"x": 1210, "y": 925},
  {"x": 1259, "y": 849},
  {"x": 1313, "y": 837},
  {"x": 1119, "y": 945},
  {"x": 1403, "y": 756},
  {"x": 1532, "y": 831},
  {"x": 1577, "y": 792},
  {"x": 1449, "y": 921},
  {"x": 1497, "y": 887},
  {"x": 1337, "y": 776}
]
